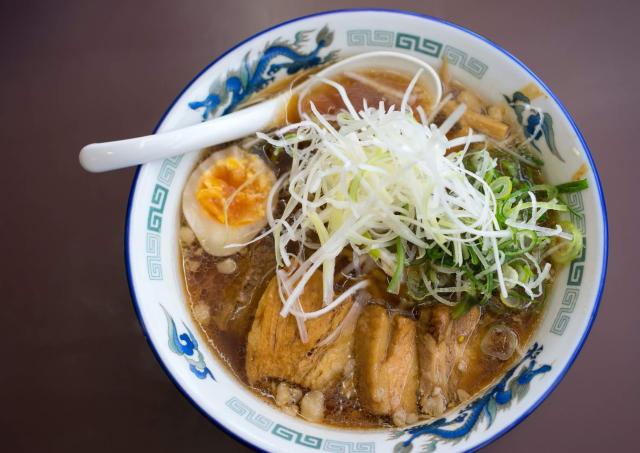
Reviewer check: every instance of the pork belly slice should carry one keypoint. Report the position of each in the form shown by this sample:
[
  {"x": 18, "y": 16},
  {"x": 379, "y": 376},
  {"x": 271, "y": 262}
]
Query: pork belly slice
[
  {"x": 386, "y": 364},
  {"x": 274, "y": 348},
  {"x": 442, "y": 343}
]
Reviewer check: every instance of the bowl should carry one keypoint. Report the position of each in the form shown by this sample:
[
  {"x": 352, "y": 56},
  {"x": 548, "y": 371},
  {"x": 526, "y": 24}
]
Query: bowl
[{"x": 153, "y": 216}]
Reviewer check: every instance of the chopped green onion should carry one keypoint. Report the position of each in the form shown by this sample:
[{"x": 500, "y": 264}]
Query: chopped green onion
[
  {"x": 505, "y": 208},
  {"x": 463, "y": 307},
  {"x": 567, "y": 250},
  {"x": 524, "y": 271},
  {"x": 509, "y": 167},
  {"x": 535, "y": 160},
  {"x": 434, "y": 254},
  {"x": 509, "y": 274},
  {"x": 524, "y": 242},
  {"x": 488, "y": 291},
  {"x": 514, "y": 300},
  {"x": 474, "y": 257},
  {"x": 475, "y": 284},
  {"x": 573, "y": 186},
  {"x": 415, "y": 284},
  {"x": 394, "y": 284},
  {"x": 550, "y": 191},
  {"x": 501, "y": 187},
  {"x": 491, "y": 175},
  {"x": 527, "y": 235}
]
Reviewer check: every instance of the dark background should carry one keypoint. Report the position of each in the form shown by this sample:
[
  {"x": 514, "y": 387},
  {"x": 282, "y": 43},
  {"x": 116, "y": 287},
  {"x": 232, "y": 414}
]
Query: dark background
[{"x": 76, "y": 371}]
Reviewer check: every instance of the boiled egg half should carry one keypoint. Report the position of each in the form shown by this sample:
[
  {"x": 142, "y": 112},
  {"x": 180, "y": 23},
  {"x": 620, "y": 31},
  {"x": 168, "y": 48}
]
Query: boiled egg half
[{"x": 225, "y": 199}]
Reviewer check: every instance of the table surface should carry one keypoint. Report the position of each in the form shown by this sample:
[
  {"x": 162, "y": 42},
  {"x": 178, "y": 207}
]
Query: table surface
[{"x": 77, "y": 370}]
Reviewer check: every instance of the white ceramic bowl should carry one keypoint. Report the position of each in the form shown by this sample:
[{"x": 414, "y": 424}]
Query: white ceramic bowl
[{"x": 153, "y": 221}]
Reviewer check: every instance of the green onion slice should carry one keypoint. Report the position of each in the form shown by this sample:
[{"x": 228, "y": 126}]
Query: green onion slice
[
  {"x": 515, "y": 300},
  {"x": 394, "y": 284},
  {"x": 501, "y": 187},
  {"x": 565, "y": 250},
  {"x": 573, "y": 186}
]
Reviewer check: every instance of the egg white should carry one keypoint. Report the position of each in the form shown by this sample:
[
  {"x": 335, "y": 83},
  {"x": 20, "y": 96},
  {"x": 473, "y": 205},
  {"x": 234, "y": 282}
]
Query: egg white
[{"x": 214, "y": 237}]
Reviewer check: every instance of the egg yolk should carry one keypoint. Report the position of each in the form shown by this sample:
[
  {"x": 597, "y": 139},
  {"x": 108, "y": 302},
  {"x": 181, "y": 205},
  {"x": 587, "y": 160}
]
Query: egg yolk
[{"x": 234, "y": 190}]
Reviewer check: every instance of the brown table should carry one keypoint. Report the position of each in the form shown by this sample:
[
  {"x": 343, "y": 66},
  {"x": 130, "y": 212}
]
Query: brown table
[{"x": 77, "y": 373}]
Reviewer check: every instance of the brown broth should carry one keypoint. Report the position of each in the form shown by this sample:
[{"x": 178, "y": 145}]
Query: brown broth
[{"x": 328, "y": 101}]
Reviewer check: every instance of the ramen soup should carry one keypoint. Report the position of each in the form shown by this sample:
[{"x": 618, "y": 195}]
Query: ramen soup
[{"x": 378, "y": 259}]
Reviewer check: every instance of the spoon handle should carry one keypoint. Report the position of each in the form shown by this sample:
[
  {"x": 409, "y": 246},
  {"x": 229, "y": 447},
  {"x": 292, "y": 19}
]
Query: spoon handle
[{"x": 99, "y": 157}]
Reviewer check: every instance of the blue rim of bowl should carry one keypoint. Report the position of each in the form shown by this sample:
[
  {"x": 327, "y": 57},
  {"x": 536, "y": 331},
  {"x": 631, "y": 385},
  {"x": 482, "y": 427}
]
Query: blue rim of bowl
[{"x": 605, "y": 231}]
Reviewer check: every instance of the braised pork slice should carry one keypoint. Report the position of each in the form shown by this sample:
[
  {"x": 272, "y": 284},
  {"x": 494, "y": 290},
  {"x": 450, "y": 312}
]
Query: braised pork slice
[
  {"x": 274, "y": 348},
  {"x": 386, "y": 364},
  {"x": 442, "y": 343}
]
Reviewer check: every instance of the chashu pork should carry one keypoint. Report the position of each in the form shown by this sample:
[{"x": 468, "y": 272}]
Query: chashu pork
[
  {"x": 442, "y": 343},
  {"x": 386, "y": 369},
  {"x": 274, "y": 348}
]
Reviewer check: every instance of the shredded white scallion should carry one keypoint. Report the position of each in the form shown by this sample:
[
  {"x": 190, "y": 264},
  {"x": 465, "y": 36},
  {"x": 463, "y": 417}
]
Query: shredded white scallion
[{"x": 377, "y": 174}]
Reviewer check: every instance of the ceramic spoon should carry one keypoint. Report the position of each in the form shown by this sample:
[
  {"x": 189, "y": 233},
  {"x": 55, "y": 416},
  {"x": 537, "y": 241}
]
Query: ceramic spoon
[{"x": 99, "y": 157}]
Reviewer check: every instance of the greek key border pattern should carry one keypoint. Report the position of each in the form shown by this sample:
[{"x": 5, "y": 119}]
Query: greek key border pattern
[
  {"x": 154, "y": 267},
  {"x": 564, "y": 313},
  {"x": 154, "y": 217},
  {"x": 576, "y": 268},
  {"x": 376, "y": 38},
  {"x": 296, "y": 436},
  {"x": 420, "y": 44},
  {"x": 470, "y": 64},
  {"x": 259, "y": 421},
  {"x": 264, "y": 423},
  {"x": 337, "y": 446}
]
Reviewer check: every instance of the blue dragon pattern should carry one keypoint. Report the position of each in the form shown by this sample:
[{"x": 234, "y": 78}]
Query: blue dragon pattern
[
  {"x": 535, "y": 123},
  {"x": 501, "y": 395},
  {"x": 250, "y": 78},
  {"x": 186, "y": 345}
]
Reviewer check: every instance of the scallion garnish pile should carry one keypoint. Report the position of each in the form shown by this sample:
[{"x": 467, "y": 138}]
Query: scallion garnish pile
[{"x": 453, "y": 220}]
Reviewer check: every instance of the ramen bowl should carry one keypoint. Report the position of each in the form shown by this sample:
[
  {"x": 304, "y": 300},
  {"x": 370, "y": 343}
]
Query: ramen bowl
[{"x": 153, "y": 223}]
